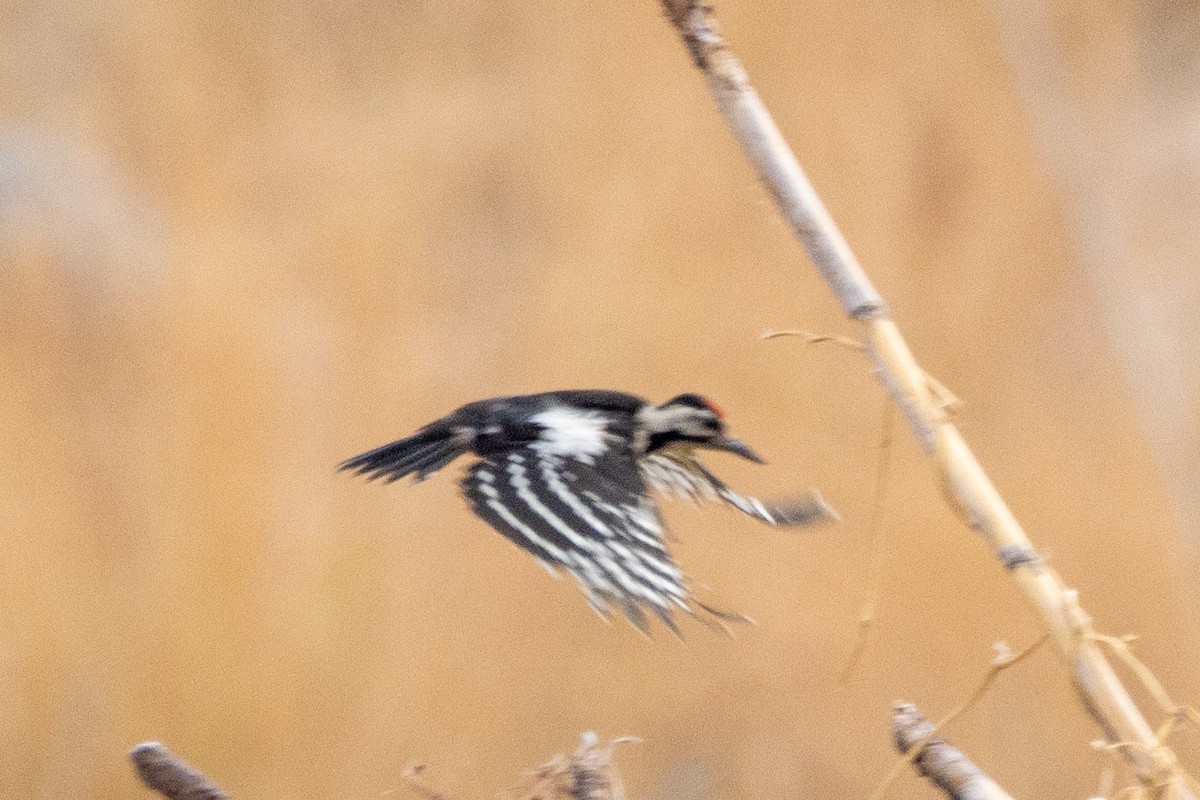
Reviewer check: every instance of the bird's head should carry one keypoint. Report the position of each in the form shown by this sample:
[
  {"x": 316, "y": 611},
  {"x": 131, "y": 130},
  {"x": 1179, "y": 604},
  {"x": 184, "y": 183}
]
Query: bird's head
[{"x": 692, "y": 420}]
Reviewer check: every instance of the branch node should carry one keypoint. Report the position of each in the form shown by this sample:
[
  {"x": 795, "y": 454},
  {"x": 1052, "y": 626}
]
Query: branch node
[
  {"x": 1018, "y": 555},
  {"x": 697, "y": 27}
]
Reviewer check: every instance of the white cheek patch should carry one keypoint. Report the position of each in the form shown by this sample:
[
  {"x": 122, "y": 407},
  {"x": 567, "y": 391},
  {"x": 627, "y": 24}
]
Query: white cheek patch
[
  {"x": 570, "y": 433},
  {"x": 679, "y": 419}
]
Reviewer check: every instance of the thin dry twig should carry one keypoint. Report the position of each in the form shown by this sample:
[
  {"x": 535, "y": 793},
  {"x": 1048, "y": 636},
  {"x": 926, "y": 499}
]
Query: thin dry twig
[
  {"x": 588, "y": 774},
  {"x": 938, "y": 760},
  {"x": 946, "y": 399},
  {"x": 817, "y": 338},
  {"x": 1175, "y": 712},
  {"x": 172, "y": 777},
  {"x": 1003, "y": 660},
  {"x": 878, "y": 539},
  {"x": 971, "y": 493}
]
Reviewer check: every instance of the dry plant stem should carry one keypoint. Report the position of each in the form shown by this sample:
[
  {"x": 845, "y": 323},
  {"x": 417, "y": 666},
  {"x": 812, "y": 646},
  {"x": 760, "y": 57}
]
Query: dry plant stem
[
  {"x": 1000, "y": 664},
  {"x": 588, "y": 774},
  {"x": 816, "y": 338},
  {"x": 968, "y": 488},
  {"x": 878, "y": 539},
  {"x": 938, "y": 760},
  {"x": 595, "y": 777},
  {"x": 169, "y": 775}
]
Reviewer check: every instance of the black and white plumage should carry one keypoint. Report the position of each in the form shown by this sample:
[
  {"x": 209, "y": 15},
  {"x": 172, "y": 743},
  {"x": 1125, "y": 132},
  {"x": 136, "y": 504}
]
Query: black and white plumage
[{"x": 566, "y": 476}]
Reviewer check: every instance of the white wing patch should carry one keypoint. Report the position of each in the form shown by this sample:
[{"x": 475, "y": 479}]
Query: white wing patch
[{"x": 571, "y": 433}]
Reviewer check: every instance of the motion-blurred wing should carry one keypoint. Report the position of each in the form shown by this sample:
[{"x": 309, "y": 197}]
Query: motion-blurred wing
[
  {"x": 594, "y": 520},
  {"x": 419, "y": 455}
]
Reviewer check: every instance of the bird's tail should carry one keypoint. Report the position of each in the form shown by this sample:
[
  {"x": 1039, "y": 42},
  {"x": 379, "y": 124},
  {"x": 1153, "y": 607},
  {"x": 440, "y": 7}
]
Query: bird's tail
[{"x": 419, "y": 455}]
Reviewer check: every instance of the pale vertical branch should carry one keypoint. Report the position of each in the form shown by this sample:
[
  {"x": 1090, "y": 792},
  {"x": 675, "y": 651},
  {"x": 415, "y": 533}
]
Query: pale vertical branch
[
  {"x": 938, "y": 760},
  {"x": 764, "y": 145},
  {"x": 967, "y": 487}
]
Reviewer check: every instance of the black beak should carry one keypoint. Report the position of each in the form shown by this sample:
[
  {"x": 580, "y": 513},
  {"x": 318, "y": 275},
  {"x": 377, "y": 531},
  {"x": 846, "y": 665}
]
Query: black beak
[{"x": 737, "y": 447}]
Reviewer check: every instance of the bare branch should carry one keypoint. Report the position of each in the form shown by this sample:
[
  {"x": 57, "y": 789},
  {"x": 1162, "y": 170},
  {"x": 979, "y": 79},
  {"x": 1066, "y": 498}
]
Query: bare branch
[
  {"x": 969, "y": 491},
  {"x": 938, "y": 760},
  {"x": 169, "y": 775},
  {"x": 1004, "y": 659},
  {"x": 766, "y": 149}
]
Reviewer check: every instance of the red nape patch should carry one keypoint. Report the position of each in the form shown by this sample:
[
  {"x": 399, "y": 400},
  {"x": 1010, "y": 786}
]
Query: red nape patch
[{"x": 716, "y": 409}]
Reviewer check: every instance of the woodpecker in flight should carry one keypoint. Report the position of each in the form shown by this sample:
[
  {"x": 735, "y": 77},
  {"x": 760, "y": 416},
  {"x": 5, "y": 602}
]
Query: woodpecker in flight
[{"x": 566, "y": 476}]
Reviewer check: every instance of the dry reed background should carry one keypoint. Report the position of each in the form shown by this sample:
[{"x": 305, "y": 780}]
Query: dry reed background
[{"x": 240, "y": 244}]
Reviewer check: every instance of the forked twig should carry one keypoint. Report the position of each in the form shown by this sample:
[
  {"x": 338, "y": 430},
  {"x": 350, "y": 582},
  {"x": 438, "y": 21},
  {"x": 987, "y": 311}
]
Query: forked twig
[
  {"x": 1003, "y": 661},
  {"x": 972, "y": 494},
  {"x": 946, "y": 399},
  {"x": 1174, "y": 711}
]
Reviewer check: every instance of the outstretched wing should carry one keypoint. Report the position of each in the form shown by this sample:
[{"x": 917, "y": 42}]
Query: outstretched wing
[
  {"x": 419, "y": 455},
  {"x": 682, "y": 475},
  {"x": 592, "y": 518}
]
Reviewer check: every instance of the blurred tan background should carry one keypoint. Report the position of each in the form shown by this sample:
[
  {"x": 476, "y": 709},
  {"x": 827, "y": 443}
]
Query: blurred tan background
[{"x": 240, "y": 242}]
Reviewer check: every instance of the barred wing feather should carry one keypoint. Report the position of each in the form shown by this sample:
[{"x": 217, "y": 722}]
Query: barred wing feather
[{"x": 574, "y": 516}]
